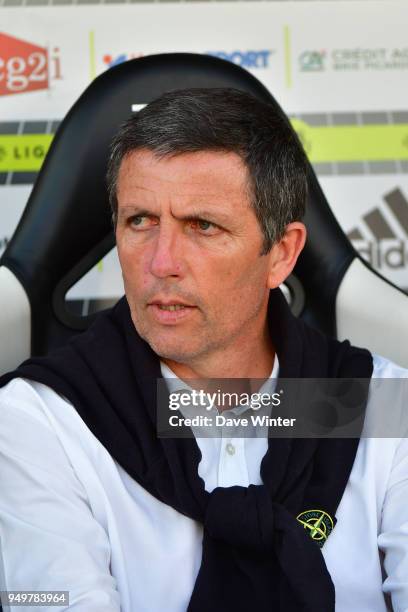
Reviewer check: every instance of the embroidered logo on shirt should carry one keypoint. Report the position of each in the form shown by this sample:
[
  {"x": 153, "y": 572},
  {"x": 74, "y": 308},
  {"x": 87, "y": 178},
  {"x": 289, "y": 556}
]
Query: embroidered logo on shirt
[{"x": 318, "y": 523}]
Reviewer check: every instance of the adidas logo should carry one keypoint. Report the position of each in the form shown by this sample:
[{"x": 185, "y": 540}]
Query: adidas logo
[{"x": 385, "y": 244}]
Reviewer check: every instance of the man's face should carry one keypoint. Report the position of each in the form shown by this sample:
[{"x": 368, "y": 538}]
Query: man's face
[{"x": 186, "y": 233}]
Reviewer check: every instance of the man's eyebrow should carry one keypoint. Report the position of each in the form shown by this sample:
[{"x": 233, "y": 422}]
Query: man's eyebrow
[
  {"x": 208, "y": 215},
  {"x": 214, "y": 216},
  {"x": 133, "y": 209}
]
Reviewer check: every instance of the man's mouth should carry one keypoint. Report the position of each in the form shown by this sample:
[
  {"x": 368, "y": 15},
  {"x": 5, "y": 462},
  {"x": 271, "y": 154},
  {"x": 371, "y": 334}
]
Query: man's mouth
[
  {"x": 170, "y": 312},
  {"x": 172, "y": 306}
]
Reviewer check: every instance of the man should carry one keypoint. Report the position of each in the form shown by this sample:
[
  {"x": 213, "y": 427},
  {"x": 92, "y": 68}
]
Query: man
[{"x": 208, "y": 189}]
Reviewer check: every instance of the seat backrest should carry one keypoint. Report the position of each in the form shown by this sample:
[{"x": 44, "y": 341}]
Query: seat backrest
[{"x": 66, "y": 226}]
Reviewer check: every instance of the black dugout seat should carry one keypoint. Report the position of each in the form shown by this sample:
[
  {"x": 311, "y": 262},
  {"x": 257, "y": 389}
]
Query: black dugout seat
[{"x": 66, "y": 226}]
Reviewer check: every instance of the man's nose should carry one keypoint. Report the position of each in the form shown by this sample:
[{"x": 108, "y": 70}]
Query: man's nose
[{"x": 166, "y": 255}]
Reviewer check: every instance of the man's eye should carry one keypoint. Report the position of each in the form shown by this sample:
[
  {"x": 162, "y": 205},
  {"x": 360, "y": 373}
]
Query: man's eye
[
  {"x": 141, "y": 221},
  {"x": 203, "y": 225},
  {"x": 136, "y": 220}
]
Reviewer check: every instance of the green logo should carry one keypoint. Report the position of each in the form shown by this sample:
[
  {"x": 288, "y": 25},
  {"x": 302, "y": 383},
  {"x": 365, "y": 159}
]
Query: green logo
[
  {"x": 318, "y": 523},
  {"x": 312, "y": 61}
]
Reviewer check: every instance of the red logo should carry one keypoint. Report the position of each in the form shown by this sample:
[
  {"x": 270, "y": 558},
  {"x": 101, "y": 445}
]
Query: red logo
[
  {"x": 26, "y": 67},
  {"x": 111, "y": 61}
]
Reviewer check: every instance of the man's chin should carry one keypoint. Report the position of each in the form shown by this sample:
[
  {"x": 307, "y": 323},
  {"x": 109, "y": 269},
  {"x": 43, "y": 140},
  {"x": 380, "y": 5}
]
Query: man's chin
[
  {"x": 171, "y": 343},
  {"x": 173, "y": 353},
  {"x": 174, "y": 350}
]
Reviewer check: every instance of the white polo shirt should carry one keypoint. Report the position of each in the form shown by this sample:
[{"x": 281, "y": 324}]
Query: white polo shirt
[{"x": 72, "y": 519}]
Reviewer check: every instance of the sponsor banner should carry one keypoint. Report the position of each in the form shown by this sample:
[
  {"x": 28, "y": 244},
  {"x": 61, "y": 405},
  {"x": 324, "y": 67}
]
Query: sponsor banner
[
  {"x": 323, "y": 144},
  {"x": 44, "y": 67},
  {"x": 49, "y": 54}
]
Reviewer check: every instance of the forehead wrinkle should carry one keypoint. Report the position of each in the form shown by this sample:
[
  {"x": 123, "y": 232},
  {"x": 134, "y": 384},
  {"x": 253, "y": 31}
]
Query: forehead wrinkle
[
  {"x": 196, "y": 174},
  {"x": 197, "y": 187},
  {"x": 197, "y": 191},
  {"x": 138, "y": 187},
  {"x": 198, "y": 199}
]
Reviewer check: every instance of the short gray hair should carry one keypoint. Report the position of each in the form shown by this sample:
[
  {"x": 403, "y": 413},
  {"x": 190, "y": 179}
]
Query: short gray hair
[{"x": 229, "y": 120}]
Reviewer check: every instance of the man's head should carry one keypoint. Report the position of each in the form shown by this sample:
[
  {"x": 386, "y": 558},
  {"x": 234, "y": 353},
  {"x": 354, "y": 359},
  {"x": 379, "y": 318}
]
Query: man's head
[
  {"x": 207, "y": 188},
  {"x": 222, "y": 119}
]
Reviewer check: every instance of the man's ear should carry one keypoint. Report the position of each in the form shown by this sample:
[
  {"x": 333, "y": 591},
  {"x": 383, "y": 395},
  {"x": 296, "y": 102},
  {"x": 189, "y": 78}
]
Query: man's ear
[{"x": 284, "y": 254}]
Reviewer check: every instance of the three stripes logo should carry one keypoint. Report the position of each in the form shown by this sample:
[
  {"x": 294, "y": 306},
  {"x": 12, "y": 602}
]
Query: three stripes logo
[{"x": 382, "y": 238}]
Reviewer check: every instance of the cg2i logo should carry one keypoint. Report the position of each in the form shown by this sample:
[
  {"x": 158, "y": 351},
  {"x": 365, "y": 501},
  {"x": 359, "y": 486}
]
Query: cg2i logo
[{"x": 26, "y": 67}]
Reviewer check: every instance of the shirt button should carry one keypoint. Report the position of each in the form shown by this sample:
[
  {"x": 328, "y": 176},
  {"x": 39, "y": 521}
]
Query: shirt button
[{"x": 230, "y": 449}]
